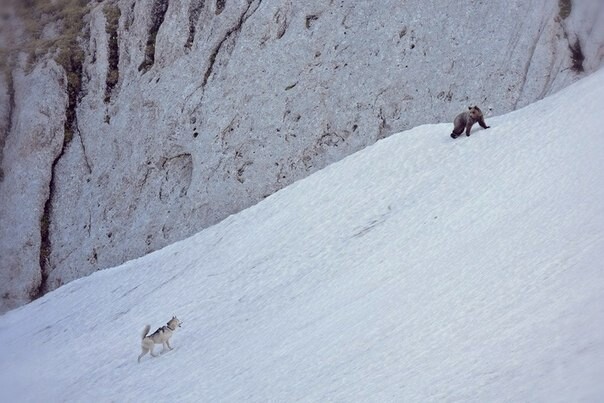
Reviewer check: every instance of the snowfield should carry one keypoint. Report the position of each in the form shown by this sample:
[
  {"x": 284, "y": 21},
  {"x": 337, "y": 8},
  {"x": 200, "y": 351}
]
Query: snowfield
[{"x": 419, "y": 269}]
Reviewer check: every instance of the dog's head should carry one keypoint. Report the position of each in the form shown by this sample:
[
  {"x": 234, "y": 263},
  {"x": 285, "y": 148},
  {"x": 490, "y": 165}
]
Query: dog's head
[{"x": 174, "y": 323}]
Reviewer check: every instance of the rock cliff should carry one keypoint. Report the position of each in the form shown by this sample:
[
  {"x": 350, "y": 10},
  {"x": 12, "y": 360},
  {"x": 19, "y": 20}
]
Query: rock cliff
[{"x": 159, "y": 118}]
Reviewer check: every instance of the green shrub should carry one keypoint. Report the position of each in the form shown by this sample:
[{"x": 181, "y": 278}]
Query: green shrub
[
  {"x": 66, "y": 15},
  {"x": 67, "y": 19},
  {"x": 112, "y": 16},
  {"x": 565, "y": 8}
]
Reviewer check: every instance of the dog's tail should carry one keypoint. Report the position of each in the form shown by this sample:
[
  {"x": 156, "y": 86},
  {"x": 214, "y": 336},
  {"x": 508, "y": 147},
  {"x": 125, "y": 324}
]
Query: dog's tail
[{"x": 146, "y": 331}]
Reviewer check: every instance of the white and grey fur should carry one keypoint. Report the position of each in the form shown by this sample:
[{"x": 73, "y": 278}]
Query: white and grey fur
[
  {"x": 466, "y": 120},
  {"x": 160, "y": 336}
]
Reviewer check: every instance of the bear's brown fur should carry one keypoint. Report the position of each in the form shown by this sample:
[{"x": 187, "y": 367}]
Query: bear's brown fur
[{"x": 466, "y": 120}]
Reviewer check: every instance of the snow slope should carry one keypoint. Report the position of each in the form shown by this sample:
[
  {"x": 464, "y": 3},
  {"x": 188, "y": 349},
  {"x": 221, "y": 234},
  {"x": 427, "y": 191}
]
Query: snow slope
[{"x": 419, "y": 269}]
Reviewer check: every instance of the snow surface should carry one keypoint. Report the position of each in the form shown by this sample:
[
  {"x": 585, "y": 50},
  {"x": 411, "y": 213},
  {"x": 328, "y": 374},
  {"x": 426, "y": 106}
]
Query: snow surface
[{"x": 419, "y": 269}]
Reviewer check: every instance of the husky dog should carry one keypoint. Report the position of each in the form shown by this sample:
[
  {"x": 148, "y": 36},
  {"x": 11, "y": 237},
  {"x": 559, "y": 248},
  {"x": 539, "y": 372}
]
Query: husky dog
[
  {"x": 466, "y": 119},
  {"x": 160, "y": 336}
]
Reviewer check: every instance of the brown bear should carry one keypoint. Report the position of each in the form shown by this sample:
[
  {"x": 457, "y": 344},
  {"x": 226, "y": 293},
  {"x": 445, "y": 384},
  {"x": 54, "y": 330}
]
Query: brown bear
[{"x": 465, "y": 120}]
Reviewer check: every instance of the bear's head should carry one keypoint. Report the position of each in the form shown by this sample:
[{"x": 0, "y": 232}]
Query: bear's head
[{"x": 475, "y": 112}]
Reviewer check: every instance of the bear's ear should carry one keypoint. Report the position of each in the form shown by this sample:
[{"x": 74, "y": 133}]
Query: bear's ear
[{"x": 469, "y": 108}]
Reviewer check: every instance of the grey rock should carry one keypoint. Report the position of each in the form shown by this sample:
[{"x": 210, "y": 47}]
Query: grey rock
[{"x": 192, "y": 112}]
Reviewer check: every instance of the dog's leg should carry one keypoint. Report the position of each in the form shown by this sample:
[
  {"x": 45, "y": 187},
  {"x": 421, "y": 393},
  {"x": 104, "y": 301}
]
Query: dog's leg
[
  {"x": 151, "y": 352},
  {"x": 168, "y": 343},
  {"x": 163, "y": 350},
  {"x": 145, "y": 351}
]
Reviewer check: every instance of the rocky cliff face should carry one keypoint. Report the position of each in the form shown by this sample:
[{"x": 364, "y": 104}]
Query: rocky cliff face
[{"x": 171, "y": 115}]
